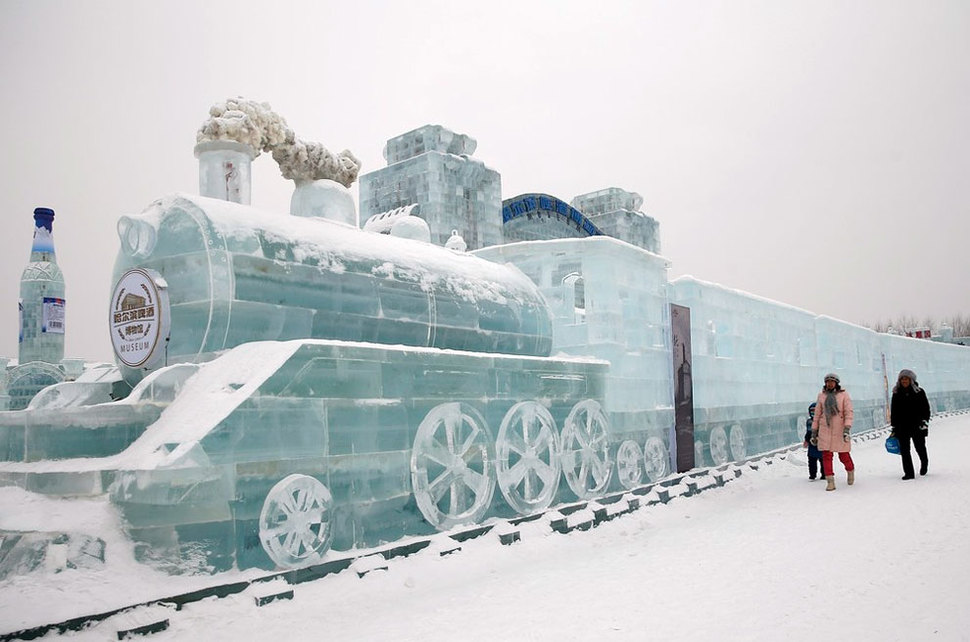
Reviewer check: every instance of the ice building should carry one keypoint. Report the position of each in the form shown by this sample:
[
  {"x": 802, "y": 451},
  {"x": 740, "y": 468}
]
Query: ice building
[
  {"x": 431, "y": 176},
  {"x": 433, "y": 168},
  {"x": 616, "y": 213},
  {"x": 294, "y": 385}
]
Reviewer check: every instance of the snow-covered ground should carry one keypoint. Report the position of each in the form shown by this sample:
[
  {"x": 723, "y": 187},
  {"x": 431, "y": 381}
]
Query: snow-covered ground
[{"x": 769, "y": 556}]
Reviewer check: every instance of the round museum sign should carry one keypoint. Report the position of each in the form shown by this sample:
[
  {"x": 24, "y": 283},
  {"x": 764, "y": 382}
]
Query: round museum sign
[{"x": 139, "y": 318}]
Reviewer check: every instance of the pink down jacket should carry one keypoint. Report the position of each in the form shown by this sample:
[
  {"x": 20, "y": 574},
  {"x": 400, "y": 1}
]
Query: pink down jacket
[{"x": 830, "y": 430}]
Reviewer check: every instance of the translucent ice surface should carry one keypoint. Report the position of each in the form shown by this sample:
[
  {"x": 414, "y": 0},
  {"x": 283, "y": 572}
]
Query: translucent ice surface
[{"x": 235, "y": 275}]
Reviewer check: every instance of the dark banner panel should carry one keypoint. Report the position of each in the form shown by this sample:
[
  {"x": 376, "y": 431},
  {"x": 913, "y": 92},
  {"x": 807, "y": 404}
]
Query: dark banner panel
[{"x": 683, "y": 387}]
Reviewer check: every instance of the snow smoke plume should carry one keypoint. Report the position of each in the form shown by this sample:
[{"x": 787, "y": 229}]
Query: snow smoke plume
[
  {"x": 312, "y": 161},
  {"x": 245, "y": 121},
  {"x": 257, "y": 125}
]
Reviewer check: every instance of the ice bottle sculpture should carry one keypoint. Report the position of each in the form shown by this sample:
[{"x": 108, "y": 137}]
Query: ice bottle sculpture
[{"x": 42, "y": 297}]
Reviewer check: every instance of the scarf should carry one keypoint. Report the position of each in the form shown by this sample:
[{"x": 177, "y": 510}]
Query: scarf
[{"x": 831, "y": 404}]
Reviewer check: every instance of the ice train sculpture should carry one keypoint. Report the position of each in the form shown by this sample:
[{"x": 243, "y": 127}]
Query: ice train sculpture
[{"x": 290, "y": 386}]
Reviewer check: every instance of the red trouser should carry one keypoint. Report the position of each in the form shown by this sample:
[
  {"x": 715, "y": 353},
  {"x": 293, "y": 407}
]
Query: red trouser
[{"x": 845, "y": 458}]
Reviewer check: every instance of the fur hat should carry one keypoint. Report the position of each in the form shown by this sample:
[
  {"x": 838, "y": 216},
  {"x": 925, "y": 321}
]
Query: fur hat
[
  {"x": 906, "y": 372},
  {"x": 834, "y": 377}
]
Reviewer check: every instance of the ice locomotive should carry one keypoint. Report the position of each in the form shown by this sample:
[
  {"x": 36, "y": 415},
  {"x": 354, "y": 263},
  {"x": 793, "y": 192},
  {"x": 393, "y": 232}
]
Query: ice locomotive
[{"x": 373, "y": 388}]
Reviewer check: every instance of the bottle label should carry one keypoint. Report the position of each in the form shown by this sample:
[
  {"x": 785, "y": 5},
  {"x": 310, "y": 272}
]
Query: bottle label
[
  {"x": 139, "y": 318},
  {"x": 53, "y": 317}
]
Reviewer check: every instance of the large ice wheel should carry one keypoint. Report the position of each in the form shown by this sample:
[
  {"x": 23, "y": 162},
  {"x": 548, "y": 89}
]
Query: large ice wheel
[
  {"x": 585, "y": 451},
  {"x": 629, "y": 468},
  {"x": 451, "y": 466},
  {"x": 719, "y": 446},
  {"x": 739, "y": 446},
  {"x": 527, "y": 451},
  {"x": 656, "y": 461},
  {"x": 294, "y": 525}
]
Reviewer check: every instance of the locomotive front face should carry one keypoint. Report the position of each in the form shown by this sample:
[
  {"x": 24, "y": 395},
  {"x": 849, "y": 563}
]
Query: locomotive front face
[{"x": 225, "y": 274}]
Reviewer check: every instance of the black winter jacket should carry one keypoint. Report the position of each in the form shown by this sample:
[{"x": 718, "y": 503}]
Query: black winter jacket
[{"x": 909, "y": 409}]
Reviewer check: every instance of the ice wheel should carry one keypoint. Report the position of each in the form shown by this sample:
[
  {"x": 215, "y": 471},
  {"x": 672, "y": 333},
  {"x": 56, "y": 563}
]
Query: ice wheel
[
  {"x": 719, "y": 446},
  {"x": 739, "y": 447},
  {"x": 527, "y": 451},
  {"x": 698, "y": 453},
  {"x": 294, "y": 525},
  {"x": 656, "y": 462},
  {"x": 629, "y": 464},
  {"x": 451, "y": 466},
  {"x": 585, "y": 451}
]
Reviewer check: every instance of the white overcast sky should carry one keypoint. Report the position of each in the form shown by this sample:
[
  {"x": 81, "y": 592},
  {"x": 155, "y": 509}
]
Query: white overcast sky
[{"x": 816, "y": 152}]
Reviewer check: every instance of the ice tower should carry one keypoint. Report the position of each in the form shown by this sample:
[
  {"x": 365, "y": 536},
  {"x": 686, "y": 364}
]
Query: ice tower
[
  {"x": 42, "y": 297},
  {"x": 432, "y": 167},
  {"x": 616, "y": 213}
]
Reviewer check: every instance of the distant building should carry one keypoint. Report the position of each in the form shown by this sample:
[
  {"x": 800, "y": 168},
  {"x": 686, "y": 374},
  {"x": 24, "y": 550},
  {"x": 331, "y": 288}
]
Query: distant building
[
  {"x": 432, "y": 167},
  {"x": 431, "y": 175},
  {"x": 616, "y": 213}
]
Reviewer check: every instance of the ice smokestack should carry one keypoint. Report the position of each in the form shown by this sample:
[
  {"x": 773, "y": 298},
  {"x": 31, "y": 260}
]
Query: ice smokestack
[
  {"x": 236, "y": 131},
  {"x": 239, "y": 129}
]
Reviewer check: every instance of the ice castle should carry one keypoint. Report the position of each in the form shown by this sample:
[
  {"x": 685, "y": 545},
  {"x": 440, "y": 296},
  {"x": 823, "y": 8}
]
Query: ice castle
[{"x": 286, "y": 386}]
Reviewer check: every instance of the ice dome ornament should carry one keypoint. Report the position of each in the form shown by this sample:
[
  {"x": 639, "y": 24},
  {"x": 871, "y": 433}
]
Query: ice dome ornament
[
  {"x": 455, "y": 242},
  {"x": 139, "y": 318},
  {"x": 324, "y": 198},
  {"x": 411, "y": 227}
]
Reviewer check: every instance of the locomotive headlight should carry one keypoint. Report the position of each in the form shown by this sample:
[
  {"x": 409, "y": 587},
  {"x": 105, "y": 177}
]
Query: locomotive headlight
[{"x": 137, "y": 237}]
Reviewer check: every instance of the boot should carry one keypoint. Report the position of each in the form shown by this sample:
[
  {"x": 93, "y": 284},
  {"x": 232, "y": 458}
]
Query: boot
[
  {"x": 831, "y": 482},
  {"x": 850, "y": 476}
]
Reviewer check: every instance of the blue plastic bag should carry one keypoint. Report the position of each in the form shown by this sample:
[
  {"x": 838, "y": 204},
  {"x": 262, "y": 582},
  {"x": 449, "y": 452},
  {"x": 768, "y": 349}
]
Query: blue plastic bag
[{"x": 892, "y": 445}]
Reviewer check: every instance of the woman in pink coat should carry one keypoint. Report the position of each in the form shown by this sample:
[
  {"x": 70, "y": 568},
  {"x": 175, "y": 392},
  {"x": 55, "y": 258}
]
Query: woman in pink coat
[{"x": 831, "y": 428}]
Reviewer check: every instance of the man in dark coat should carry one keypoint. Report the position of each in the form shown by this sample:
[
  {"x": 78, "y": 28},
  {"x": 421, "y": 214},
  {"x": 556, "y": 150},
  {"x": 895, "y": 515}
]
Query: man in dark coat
[{"x": 909, "y": 416}]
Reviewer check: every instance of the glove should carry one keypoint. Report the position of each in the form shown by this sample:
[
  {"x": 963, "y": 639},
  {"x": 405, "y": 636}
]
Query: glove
[
  {"x": 814, "y": 439},
  {"x": 924, "y": 427},
  {"x": 845, "y": 433}
]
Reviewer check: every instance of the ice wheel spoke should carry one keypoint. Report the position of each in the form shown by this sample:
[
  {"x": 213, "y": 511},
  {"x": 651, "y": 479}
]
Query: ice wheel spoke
[
  {"x": 527, "y": 457},
  {"x": 294, "y": 524},
  {"x": 586, "y": 460},
  {"x": 451, "y": 466}
]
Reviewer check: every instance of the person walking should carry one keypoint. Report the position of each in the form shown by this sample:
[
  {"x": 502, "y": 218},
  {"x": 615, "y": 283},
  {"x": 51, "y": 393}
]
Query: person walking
[
  {"x": 832, "y": 427},
  {"x": 814, "y": 455},
  {"x": 909, "y": 415}
]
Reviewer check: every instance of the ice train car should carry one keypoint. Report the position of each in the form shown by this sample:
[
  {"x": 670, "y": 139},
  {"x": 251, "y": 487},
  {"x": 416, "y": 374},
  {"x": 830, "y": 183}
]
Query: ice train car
[{"x": 754, "y": 364}]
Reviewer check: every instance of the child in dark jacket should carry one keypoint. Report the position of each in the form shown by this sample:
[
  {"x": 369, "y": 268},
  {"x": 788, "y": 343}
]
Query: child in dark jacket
[{"x": 814, "y": 454}]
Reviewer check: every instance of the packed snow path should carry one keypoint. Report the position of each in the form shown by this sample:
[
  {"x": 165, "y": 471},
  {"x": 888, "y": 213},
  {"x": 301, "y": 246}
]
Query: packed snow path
[{"x": 769, "y": 555}]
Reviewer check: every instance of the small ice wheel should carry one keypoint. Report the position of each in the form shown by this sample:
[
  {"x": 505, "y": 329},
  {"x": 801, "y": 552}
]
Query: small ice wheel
[
  {"x": 719, "y": 446},
  {"x": 451, "y": 466},
  {"x": 656, "y": 461},
  {"x": 585, "y": 453},
  {"x": 629, "y": 465},
  {"x": 527, "y": 451},
  {"x": 295, "y": 523},
  {"x": 739, "y": 446}
]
